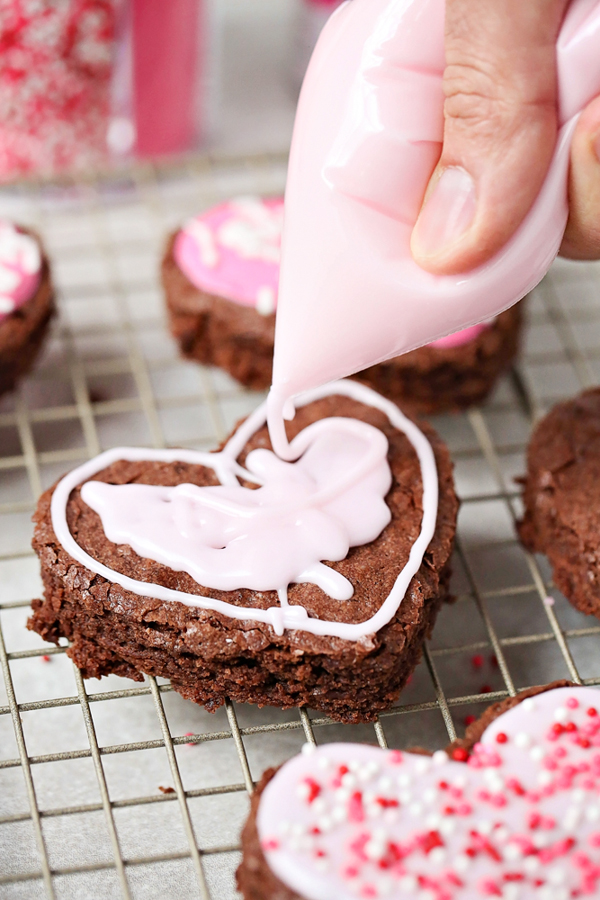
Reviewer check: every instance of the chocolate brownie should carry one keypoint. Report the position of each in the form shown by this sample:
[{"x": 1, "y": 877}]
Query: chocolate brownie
[
  {"x": 561, "y": 493},
  {"x": 441, "y": 378},
  {"x": 220, "y": 275},
  {"x": 22, "y": 330},
  {"x": 209, "y": 656},
  {"x": 256, "y": 880}
]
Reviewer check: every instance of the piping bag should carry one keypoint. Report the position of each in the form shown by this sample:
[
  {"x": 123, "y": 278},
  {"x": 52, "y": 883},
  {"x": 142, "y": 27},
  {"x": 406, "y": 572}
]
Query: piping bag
[{"x": 368, "y": 133}]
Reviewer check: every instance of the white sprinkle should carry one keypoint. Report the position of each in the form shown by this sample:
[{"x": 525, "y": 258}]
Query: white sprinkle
[
  {"x": 485, "y": 827},
  {"x": 416, "y": 809},
  {"x": 7, "y": 304},
  {"x": 528, "y": 705},
  {"x": 433, "y": 821},
  {"x": 308, "y": 749},
  {"x": 447, "y": 827},
  {"x": 501, "y": 834},
  {"x": 578, "y": 795},
  {"x": 405, "y": 797},
  {"x": 544, "y": 778},
  {"x": 385, "y": 783},
  {"x": 511, "y": 892},
  {"x": 557, "y": 875},
  {"x": 572, "y": 819},
  {"x": 440, "y": 757},
  {"x": 462, "y": 863},
  {"x": 423, "y": 764},
  {"x": 354, "y": 765},
  {"x": 537, "y": 754},
  {"x": 437, "y": 856},
  {"x": 265, "y": 300},
  {"x": 430, "y": 796},
  {"x": 374, "y": 849},
  {"x": 342, "y": 795},
  {"x": 319, "y": 806},
  {"x": 323, "y": 762},
  {"x": 325, "y": 823},
  {"x": 297, "y": 829},
  {"x": 460, "y": 782},
  {"x": 405, "y": 780},
  {"x": 513, "y": 852},
  {"x": 338, "y": 814},
  {"x": 522, "y": 740},
  {"x": 592, "y": 813},
  {"x": 348, "y": 780},
  {"x": 561, "y": 714},
  {"x": 408, "y": 883},
  {"x": 531, "y": 864}
]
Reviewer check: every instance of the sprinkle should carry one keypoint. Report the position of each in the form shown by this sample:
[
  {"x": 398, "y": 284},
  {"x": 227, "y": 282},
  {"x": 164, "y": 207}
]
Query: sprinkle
[
  {"x": 190, "y": 734},
  {"x": 485, "y": 689},
  {"x": 477, "y": 661},
  {"x": 45, "y": 659},
  {"x": 460, "y": 754},
  {"x": 572, "y": 703},
  {"x": 548, "y": 601},
  {"x": 308, "y": 749},
  {"x": 469, "y": 720},
  {"x": 501, "y": 738}
]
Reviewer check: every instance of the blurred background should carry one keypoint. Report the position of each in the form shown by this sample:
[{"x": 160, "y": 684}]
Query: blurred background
[{"x": 85, "y": 84}]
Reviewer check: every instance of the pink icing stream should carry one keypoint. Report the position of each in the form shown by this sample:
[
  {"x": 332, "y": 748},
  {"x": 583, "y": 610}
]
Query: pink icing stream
[
  {"x": 330, "y": 498},
  {"x": 20, "y": 266},
  {"x": 520, "y": 821}
]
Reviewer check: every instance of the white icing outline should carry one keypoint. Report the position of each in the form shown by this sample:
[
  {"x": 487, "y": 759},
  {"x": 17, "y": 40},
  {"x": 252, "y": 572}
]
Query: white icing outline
[{"x": 225, "y": 467}]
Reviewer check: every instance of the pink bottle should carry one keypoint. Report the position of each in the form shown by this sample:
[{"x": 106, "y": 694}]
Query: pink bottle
[{"x": 161, "y": 80}]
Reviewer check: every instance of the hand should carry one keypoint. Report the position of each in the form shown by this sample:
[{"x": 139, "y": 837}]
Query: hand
[{"x": 499, "y": 137}]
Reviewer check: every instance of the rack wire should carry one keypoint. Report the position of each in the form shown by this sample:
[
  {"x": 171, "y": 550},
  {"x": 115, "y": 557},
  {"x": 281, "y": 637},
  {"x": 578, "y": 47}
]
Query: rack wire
[{"x": 109, "y": 789}]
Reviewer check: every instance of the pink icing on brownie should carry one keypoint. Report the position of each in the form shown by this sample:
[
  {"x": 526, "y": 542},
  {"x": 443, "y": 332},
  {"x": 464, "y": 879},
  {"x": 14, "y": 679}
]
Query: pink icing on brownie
[
  {"x": 20, "y": 265},
  {"x": 519, "y": 821},
  {"x": 233, "y": 251}
]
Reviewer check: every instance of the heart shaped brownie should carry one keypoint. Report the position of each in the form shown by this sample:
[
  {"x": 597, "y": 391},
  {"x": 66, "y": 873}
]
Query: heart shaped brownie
[
  {"x": 127, "y": 541},
  {"x": 520, "y": 820}
]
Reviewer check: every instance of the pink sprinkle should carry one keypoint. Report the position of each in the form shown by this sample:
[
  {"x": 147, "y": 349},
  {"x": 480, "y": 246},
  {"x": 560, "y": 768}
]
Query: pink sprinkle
[
  {"x": 548, "y": 601},
  {"x": 270, "y": 844},
  {"x": 356, "y": 812},
  {"x": 45, "y": 659},
  {"x": 396, "y": 757},
  {"x": 594, "y": 839},
  {"x": 190, "y": 743},
  {"x": 572, "y": 703}
]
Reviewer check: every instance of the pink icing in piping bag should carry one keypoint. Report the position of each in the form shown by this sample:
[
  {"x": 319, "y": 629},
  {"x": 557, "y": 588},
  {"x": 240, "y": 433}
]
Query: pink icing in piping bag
[{"x": 367, "y": 136}]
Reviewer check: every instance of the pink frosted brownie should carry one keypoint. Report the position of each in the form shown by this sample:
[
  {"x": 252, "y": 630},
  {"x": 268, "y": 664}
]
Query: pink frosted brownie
[
  {"x": 26, "y": 302},
  {"x": 221, "y": 275}
]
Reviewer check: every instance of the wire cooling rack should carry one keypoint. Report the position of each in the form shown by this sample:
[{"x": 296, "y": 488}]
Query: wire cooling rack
[{"x": 111, "y": 789}]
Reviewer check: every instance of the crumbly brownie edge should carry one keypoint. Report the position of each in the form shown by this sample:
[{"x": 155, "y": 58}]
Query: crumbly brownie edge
[
  {"x": 112, "y": 630},
  {"x": 433, "y": 380},
  {"x": 215, "y": 331},
  {"x": 557, "y": 492},
  {"x": 23, "y": 331},
  {"x": 256, "y": 881}
]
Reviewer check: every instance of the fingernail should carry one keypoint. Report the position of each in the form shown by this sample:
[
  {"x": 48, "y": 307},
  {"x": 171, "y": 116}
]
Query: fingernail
[{"x": 447, "y": 214}]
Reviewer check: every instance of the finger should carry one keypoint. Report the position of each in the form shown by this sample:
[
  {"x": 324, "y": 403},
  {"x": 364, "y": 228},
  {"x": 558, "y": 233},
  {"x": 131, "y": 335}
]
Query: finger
[
  {"x": 500, "y": 129},
  {"x": 582, "y": 237}
]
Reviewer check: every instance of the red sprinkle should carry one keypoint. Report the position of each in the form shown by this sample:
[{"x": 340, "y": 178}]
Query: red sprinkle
[
  {"x": 485, "y": 689},
  {"x": 477, "y": 661},
  {"x": 592, "y": 711},
  {"x": 45, "y": 659},
  {"x": 501, "y": 738},
  {"x": 460, "y": 754},
  {"x": 469, "y": 720}
]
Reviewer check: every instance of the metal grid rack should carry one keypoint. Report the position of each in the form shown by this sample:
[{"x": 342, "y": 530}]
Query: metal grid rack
[{"x": 110, "y": 789}]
